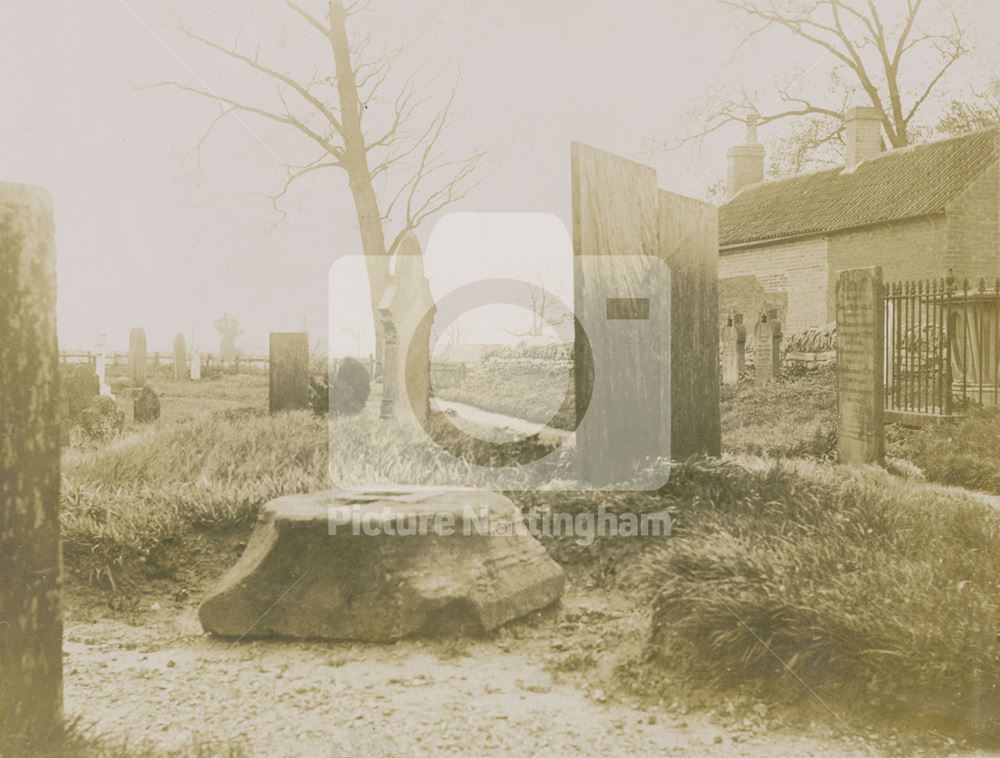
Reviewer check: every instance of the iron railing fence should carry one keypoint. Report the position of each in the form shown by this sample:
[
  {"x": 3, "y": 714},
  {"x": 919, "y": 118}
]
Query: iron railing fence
[{"x": 942, "y": 346}]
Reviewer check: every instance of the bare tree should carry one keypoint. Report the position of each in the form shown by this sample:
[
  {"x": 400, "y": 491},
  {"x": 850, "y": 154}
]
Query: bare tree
[
  {"x": 538, "y": 301},
  {"x": 981, "y": 111},
  {"x": 871, "y": 56},
  {"x": 331, "y": 111}
]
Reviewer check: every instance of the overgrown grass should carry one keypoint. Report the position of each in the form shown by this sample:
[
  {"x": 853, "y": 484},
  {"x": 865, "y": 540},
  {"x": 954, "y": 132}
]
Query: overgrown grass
[
  {"x": 795, "y": 417},
  {"x": 123, "y": 504},
  {"x": 877, "y": 592},
  {"x": 965, "y": 453}
]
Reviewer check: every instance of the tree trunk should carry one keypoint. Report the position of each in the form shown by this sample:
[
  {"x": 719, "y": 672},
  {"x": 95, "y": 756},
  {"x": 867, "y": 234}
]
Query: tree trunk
[
  {"x": 356, "y": 165},
  {"x": 30, "y": 559}
]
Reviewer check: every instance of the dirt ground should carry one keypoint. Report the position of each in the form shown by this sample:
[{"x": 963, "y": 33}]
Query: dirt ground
[{"x": 143, "y": 673}]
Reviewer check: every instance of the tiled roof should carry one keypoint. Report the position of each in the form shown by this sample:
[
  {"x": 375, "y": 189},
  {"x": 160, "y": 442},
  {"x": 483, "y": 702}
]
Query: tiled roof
[{"x": 904, "y": 183}]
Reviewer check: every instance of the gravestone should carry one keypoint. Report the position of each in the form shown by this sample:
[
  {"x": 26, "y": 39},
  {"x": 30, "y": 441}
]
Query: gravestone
[
  {"x": 195, "y": 366},
  {"x": 137, "y": 358},
  {"x": 288, "y": 372},
  {"x": 80, "y": 384},
  {"x": 30, "y": 558},
  {"x": 380, "y": 564},
  {"x": 767, "y": 346},
  {"x": 688, "y": 242},
  {"x": 180, "y": 357},
  {"x": 156, "y": 360},
  {"x": 626, "y": 404},
  {"x": 407, "y": 313},
  {"x": 734, "y": 343},
  {"x": 860, "y": 354}
]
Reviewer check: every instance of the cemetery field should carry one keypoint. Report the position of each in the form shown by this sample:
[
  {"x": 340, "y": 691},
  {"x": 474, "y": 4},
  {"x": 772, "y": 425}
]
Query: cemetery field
[{"x": 842, "y": 572}]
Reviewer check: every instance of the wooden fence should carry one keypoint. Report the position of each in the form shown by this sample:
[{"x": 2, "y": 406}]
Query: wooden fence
[{"x": 442, "y": 374}]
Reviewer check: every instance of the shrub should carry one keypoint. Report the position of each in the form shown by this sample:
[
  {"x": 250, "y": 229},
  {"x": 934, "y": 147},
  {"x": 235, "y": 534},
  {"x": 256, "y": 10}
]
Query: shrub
[{"x": 343, "y": 393}]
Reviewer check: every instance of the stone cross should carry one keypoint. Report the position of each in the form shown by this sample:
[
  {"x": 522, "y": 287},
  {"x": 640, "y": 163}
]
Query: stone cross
[
  {"x": 30, "y": 561},
  {"x": 407, "y": 311},
  {"x": 734, "y": 342},
  {"x": 137, "y": 358},
  {"x": 767, "y": 346},
  {"x": 101, "y": 368},
  {"x": 180, "y": 357},
  {"x": 288, "y": 371}
]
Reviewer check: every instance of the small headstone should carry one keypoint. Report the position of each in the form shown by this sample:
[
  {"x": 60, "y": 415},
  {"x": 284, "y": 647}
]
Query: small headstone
[
  {"x": 734, "y": 341},
  {"x": 288, "y": 372},
  {"x": 860, "y": 349},
  {"x": 767, "y": 346},
  {"x": 146, "y": 407},
  {"x": 180, "y": 357},
  {"x": 156, "y": 360},
  {"x": 137, "y": 357},
  {"x": 80, "y": 384},
  {"x": 195, "y": 366},
  {"x": 407, "y": 312}
]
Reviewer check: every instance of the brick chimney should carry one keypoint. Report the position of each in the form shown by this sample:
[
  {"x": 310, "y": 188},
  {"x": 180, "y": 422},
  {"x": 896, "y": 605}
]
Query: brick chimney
[
  {"x": 746, "y": 161},
  {"x": 864, "y": 134}
]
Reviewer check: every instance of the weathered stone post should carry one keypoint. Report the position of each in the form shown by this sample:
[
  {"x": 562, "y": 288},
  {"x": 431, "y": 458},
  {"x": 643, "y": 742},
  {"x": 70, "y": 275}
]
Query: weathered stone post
[
  {"x": 180, "y": 357},
  {"x": 734, "y": 344},
  {"x": 30, "y": 558},
  {"x": 407, "y": 313},
  {"x": 860, "y": 367},
  {"x": 195, "y": 366},
  {"x": 288, "y": 371},
  {"x": 767, "y": 346},
  {"x": 137, "y": 358}
]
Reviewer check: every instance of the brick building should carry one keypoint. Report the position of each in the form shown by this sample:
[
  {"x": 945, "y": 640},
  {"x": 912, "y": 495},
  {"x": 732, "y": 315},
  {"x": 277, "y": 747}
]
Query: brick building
[{"x": 919, "y": 212}]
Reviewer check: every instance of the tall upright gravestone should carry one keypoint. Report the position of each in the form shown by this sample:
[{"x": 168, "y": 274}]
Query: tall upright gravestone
[
  {"x": 767, "y": 346},
  {"x": 734, "y": 343},
  {"x": 407, "y": 312},
  {"x": 288, "y": 371},
  {"x": 30, "y": 558},
  {"x": 137, "y": 357},
  {"x": 860, "y": 354},
  {"x": 688, "y": 242},
  {"x": 664, "y": 381},
  {"x": 180, "y": 357}
]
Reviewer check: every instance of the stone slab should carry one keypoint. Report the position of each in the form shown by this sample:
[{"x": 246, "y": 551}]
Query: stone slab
[{"x": 301, "y": 577}]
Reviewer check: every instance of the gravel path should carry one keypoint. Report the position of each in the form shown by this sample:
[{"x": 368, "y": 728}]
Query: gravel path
[{"x": 164, "y": 683}]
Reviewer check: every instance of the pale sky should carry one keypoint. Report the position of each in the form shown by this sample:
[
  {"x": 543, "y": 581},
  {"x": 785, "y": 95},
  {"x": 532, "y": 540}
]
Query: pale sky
[{"x": 149, "y": 237}]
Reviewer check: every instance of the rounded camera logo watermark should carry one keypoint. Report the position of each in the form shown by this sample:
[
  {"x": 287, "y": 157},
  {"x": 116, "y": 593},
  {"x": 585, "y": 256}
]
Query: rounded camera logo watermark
[{"x": 479, "y": 521}]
